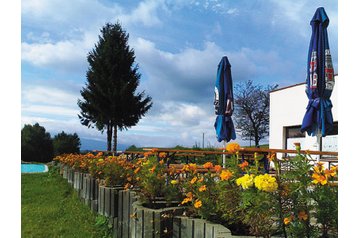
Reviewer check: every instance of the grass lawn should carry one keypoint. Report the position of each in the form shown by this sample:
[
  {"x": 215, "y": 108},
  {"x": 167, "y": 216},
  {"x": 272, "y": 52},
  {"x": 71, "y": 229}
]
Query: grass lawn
[{"x": 51, "y": 208}]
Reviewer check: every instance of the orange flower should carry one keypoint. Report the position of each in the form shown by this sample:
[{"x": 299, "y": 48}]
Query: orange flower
[
  {"x": 318, "y": 178},
  {"x": 202, "y": 188},
  {"x": 208, "y": 165},
  {"x": 272, "y": 156},
  {"x": 302, "y": 215},
  {"x": 233, "y": 147},
  {"x": 162, "y": 155},
  {"x": 192, "y": 167},
  {"x": 189, "y": 198},
  {"x": 319, "y": 168},
  {"x": 186, "y": 200},
  {"x": 189, "y": 195},
  {"x": 137, "y": 170},
  {"x": 147, "y": 154},
  {"x": 127, "y": 186},
  {"x": 201, "y": 179},
  {"x": 287, "y": 220},
  {"x": 186, "y": 168},
  {"x": 243, "y": 165},
  {"x": 152, "y": 169},
  {"x": 154, "y": 150},
  {"x": 225, "y": 175},
  {"x": 193, "y": 180},
  {"x": 217, "y": 168},
  {"x": 161, "y": 162},
  {"x": 198, "y": 203},
  {"x": 330, "y": 173}
]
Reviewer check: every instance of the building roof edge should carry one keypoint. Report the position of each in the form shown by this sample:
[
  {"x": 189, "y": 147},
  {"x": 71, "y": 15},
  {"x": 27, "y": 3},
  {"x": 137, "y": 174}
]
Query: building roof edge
[{"x": 291, "y": 86}]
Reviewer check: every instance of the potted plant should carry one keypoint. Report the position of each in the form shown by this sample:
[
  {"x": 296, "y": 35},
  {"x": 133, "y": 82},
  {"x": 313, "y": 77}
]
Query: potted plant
[{"x": 159, "y": 196}]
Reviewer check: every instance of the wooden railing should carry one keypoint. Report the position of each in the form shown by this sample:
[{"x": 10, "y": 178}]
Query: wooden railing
[{"x": 244, "y": 154}]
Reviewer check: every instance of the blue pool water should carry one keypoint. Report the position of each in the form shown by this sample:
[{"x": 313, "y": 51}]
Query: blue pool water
[{"x": 33, "y": 168}]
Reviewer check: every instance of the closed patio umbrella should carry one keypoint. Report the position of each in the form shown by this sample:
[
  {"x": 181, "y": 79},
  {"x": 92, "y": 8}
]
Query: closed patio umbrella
[
  {"x": 223, "y": 103},
  {"x": 318, "y": 119}
]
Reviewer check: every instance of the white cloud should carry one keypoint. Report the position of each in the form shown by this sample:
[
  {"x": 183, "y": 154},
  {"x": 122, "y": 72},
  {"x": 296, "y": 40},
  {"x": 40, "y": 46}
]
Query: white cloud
[
  {"x": 65, "y": 55},
  {"x": 50, "y": 110},
  {"x": 50, "y": 95},
  {"x": 145, "y": 13},
  {"x": 182, "y": 114},
  {"x": 190, "y": 74}
]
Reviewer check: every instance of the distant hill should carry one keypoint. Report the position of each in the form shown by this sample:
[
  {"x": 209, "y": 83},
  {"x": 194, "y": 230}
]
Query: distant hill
[{"x": 88, "y": 144}]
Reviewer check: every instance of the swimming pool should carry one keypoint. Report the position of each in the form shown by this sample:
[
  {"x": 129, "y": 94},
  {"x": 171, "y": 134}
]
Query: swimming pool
[{"x": 33, "y": 168}]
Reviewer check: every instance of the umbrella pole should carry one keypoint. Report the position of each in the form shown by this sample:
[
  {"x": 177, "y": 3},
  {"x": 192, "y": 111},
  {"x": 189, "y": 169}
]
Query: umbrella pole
[
  {"x": 319, "y": 136},
  {"x": 224, "y": 155}
]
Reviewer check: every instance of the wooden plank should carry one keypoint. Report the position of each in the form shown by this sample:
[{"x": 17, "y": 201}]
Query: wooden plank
[
  {"x": 126, "y": 215},
  {"x": 114, "y": 202},
  {"x": 120, "y": 213},
  {"x": 101, "y": 200},
  {"x": 107, "y": 201},
  {"x": 177, "y": 227},
  {"x": 132, "y": 199},
  {"x": 199, "y": 226},
  {"x": 148, "y": 223}
]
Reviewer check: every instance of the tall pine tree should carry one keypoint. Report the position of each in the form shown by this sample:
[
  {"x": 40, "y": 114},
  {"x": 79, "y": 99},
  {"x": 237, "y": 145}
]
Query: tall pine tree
[{"x": 110, "y": 100}]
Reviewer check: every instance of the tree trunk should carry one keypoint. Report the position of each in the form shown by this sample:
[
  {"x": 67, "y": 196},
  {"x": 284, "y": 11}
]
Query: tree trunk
[
  {"x": 257, "y": 141},
  {"x": 115, "y": 138},
  {"x": 109, "y": 136}
]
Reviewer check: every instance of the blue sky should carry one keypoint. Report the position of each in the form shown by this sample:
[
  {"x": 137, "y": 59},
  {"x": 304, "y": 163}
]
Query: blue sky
[{"x": 178, "y": 45}]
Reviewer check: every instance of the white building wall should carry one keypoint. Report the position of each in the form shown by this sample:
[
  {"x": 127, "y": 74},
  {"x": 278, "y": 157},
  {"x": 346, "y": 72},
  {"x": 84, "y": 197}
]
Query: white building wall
[{"x": 287, "y": 108}]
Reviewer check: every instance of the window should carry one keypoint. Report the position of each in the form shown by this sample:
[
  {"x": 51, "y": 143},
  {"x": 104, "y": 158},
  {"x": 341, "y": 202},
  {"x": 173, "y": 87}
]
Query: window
[
  {"x": 294, "y": 132},
  {"x": 335, "y": 129}
]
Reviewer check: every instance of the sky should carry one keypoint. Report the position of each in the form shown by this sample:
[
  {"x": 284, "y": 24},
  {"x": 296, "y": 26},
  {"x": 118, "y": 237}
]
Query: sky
[{"x": 178, "y": 45}]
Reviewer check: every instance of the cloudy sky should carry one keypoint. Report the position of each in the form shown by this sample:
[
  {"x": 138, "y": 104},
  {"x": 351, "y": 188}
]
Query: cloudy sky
[{"x": 178, "y": 45}]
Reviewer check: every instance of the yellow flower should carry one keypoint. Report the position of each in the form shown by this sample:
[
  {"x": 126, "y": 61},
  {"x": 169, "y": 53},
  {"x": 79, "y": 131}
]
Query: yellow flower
[
  {"x": 198, "y": 203},
  {"x": 225, "y": 175},
  {"x": 232, "y": 147},
  {"x": 245, "y": 181},
  {"x": 174, "y": 182},
  {"x": 266, "y": 183},
  {"x": 302, "y": 215},
  {"x": 202, "y": 188}
]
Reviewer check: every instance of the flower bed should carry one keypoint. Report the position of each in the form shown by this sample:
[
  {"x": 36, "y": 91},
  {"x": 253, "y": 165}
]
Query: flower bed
[{"x": 299, "y": 202}]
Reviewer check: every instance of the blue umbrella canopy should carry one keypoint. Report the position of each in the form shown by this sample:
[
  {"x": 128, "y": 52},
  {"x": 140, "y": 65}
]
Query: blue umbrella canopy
[
  {"x": 320, "y": 78},
  {"x": 223, "y": 102}
]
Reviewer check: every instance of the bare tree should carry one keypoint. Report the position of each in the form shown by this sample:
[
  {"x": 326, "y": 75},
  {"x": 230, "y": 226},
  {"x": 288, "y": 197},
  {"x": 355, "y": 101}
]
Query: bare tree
[{"x": 252, "y": 112}]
